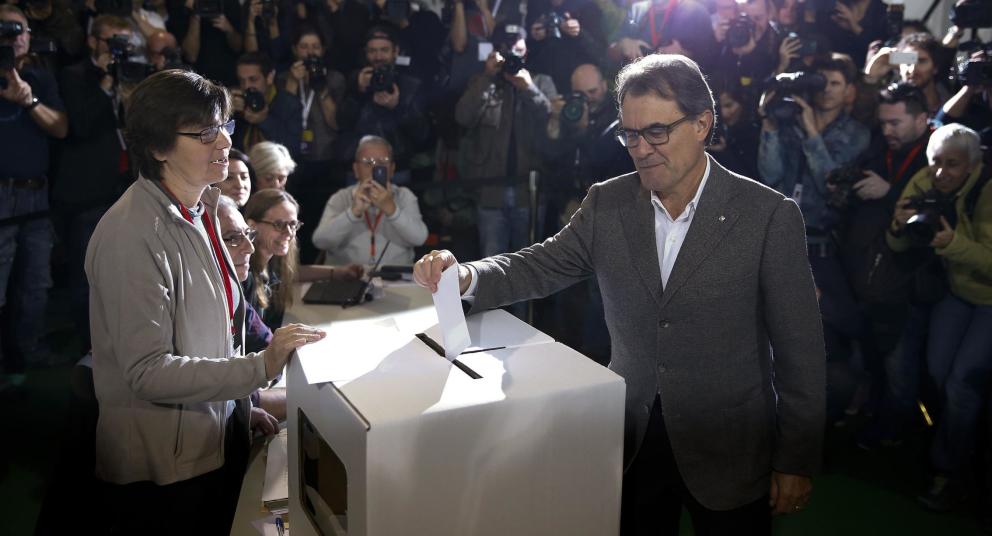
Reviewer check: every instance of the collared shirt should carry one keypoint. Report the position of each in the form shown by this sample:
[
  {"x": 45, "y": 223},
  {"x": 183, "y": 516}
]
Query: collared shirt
[{"x": 669, "y": 234}]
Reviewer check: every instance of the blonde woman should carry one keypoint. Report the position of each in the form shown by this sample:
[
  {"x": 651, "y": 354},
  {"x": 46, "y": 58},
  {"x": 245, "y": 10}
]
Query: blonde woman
[
  {"x": 273, "y": 165},
  {"x": 275, "y": 264}
]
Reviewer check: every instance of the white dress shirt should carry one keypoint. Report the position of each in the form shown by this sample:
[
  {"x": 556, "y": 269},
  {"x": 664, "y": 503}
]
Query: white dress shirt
[{"x": 669, "y": 235}]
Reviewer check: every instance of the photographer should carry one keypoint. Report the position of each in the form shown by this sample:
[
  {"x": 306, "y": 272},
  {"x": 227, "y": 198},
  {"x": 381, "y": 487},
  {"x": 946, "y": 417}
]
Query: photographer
[
  {"x": 263, "y": 30},
  {"x": 850, "y": 25},
  {"x": 29, "y": 100},
  {"x": 800, "y": 145},
  {"x": 360, "y": 220},
  {"x": 93, "y": 167},
  {"x": 749, "y": 44},
  {"x": 948, "y": 207},
  {"x": 211, "y": 31},
  {"x": 971, "y": 106},
  {"x": 163, "y": 51},
  {"x": 881, "y": 280},
  {"x": 737, "y": 132},
  {"x": 667, "y": 26},
  {"x": 262, "y": 112},
  {"x": 920, "y": 60},
  {"x": 53, "y": 21},
  {"x": 564, "y": 34},
  {"x": 384, "y": 102},
  {"x": 504, "y": 112}
]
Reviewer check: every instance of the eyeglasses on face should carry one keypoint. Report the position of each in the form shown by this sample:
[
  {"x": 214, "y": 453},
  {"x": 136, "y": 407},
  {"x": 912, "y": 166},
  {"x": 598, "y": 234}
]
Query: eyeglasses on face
[
  {"x": 284, "y": 226},
  {"x": 209, "y": 134},
  {"x": 236, "y": 238},
  {"x": 656, "y": 134}
]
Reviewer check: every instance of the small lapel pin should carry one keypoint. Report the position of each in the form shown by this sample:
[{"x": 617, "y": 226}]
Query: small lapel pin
[{"x": 722, "y": 218}]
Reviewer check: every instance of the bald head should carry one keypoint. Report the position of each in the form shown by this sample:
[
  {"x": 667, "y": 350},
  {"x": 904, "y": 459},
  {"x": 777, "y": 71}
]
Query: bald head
[
  {"x": 158, "y": 42},
  {"x": 588, "y": 80}
]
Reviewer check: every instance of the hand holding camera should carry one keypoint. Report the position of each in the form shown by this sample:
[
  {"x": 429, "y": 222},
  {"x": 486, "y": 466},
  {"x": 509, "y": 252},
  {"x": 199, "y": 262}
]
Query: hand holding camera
[
  {"x": 379, "y": 194},
  {"x": 387, "y": 99},
  {"x": 871, "y": 187}
]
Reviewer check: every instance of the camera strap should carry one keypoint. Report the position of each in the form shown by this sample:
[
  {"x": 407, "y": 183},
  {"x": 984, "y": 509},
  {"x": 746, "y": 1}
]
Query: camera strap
[{"x": 910, "y": 156}]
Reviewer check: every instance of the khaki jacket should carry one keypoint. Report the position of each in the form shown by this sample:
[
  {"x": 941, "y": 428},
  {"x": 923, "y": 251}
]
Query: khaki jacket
[{"x": 165, "y": 361}]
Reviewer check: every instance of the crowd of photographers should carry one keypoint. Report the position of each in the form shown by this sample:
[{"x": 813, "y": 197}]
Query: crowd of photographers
[{"x": 497, "y": 115}]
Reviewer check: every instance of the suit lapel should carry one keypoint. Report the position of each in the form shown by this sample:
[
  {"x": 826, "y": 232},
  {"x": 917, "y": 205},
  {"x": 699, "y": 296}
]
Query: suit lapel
[
  {"x": 638, "y": 228},
  {"x": 713, "y": 218}
]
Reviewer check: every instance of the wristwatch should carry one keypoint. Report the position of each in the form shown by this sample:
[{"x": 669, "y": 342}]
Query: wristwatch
[{"x": 34, "y": 104}]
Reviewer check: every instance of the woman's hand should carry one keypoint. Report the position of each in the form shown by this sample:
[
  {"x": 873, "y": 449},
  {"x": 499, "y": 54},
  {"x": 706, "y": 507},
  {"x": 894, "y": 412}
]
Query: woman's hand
[
  {"x": 284, "y": 342},
  {"x": 261, "y": 421}
]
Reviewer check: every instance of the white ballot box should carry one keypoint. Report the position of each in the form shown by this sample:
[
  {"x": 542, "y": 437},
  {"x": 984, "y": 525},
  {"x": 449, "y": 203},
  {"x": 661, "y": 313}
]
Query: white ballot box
[{"x": 520, "y": 435}]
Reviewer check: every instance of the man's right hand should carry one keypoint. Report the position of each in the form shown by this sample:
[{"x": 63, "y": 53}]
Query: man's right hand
[
  {"x": 285, "y": 340},
  {"x": 427, "y": 271}
]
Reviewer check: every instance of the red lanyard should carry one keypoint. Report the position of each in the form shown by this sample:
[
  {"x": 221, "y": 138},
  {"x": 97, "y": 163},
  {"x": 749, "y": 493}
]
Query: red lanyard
[
  {"x": 655, "y": 38},
  {"x": 218, "y": 253},
  {"x": 905, "y": 163},
  {"x": 372, "y": 227}
]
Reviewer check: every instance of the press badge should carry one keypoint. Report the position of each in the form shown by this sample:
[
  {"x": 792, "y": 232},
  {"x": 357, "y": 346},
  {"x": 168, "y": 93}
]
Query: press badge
[
  {"x": 305, "y": 140},
  {"x": 403, "y": 61}
]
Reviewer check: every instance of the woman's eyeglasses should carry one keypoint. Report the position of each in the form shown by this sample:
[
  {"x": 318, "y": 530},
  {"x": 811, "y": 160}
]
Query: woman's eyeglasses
[
  {"x": 284, "y": 226},
  {"x": 237, "y": 238},
  {"x": 209, "y": 134}
]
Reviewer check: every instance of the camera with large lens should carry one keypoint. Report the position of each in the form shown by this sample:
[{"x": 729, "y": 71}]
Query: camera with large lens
[
  {"x": 552, "y": 24},
  {"x": 121, "y": 68},
  {"x": 783, "y": 107},
  {"x": 972, "y": 14},
  {"x": 383, "y": 79},
  {"x": 316, "y": 72},
  {"x": 841, "y": 181},
  {"x": 575, "y": 105},
  {"x": 10, "y": 29},
  {"x": 740, "y": 30},
  {"x": 254, "y": 100},
  {"x": 513, "y": 63},
  {"x": 929, "y": 207},
  {"x": 208, "y": 9},
  {"x": 976, "y": 72}
]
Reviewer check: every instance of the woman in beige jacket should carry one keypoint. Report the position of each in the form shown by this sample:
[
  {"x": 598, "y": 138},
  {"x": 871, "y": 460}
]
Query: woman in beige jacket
[{"x": 167, "y": 322}]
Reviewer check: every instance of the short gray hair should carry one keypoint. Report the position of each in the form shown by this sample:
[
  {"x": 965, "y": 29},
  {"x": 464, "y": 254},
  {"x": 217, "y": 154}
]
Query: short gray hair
[
  {"x": 955, "y": 136},
  {"x": 374, "y": 140},
  {"x": 672, "y": 77},
  {"x": 226, "y": 203},
  {"x": 269, "y": 157}
]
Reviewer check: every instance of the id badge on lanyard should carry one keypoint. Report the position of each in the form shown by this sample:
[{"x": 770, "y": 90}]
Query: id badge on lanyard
[{"x": 306, "y": 138}]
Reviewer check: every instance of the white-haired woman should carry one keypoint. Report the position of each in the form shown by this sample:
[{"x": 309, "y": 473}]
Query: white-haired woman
[
  {"x": 959, "y": 349},
  {"x": 273, "y": 165}
]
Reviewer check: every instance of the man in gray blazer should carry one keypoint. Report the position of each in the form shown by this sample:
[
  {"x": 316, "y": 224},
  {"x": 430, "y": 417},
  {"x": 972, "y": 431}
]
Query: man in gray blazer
[{"x": 704, "y": 276}]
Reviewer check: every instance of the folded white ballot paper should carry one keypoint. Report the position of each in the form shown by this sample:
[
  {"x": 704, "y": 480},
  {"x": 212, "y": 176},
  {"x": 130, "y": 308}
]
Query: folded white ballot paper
[
  {"x": 350, "y": 350},
  {"x": 450, "y": 316}
]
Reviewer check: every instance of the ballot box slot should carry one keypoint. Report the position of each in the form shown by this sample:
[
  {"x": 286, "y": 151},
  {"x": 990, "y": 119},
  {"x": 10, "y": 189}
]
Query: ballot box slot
[{"x": 439, "y": 350}]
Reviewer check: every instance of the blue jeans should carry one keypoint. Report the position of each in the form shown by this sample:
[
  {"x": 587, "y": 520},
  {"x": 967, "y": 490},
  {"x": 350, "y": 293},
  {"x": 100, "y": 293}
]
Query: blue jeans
[
  {"x": 25, "y": 275},
  {"x": 507, "y": 229},
  {"x": 959, "y": 355}
]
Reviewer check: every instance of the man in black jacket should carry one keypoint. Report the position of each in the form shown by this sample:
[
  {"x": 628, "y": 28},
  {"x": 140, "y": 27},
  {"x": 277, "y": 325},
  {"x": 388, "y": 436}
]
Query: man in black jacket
[
  {"x": 880, "y": 279},
  {"x": 92, "y": 168},
  {"x": 262, "y": 111}
]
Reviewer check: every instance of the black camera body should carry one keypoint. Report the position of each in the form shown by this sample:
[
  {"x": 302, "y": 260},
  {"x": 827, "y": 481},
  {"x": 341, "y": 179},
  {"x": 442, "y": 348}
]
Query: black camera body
[
  {"x": 209, "y": 9},
  {"x": 316, "y": 72},
  {"x": 383, "y": 79},
  {"x": 380, "y": 174},
  {"x": 740, "y": 30},
  {"x": 254, "y": 100},
  {"x": 843, "y": 180},
  {"x": 120, "y": 47},
  {"x": 552, "y": 24},
  {"x": 268, "y": 9},
  {"x": 574, "y": 107},
  {"x": 976, "y": 71},
  {"x": 10, "y": 29},
  {"x": 512, "y": 63},
  {"x": 783, "y": 107},
  {"x": 122, "y": 69},
  {"x": 929, "y": 207},
  {"x": 972, "y": 14}
]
